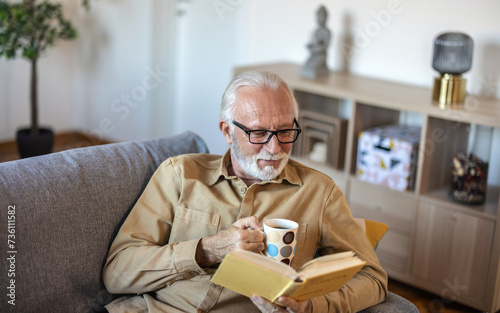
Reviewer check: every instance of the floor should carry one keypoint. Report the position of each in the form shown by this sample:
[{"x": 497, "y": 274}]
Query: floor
[
  {"x": 62, "y": 141},
  {"x": 425, "y": 302}
]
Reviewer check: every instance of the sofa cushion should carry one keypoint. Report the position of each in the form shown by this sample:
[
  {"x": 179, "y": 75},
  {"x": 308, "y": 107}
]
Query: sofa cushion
[
  {"x": 68, "y": 207},
  {"x": 374, "y": 230}
]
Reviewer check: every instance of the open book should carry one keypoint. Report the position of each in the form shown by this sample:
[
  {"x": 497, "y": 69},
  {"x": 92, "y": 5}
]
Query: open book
[{"x": 250, "y": 273}]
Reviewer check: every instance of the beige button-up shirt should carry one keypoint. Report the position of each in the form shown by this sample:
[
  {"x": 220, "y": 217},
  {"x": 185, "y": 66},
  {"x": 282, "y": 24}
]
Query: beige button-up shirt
[{"x": 192, "y": 196}]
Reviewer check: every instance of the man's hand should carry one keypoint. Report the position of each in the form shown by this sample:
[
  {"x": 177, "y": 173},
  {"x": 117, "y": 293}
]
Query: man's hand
[
  {"x": 291, "y": 306},
  {"x": 245, "y": 233}
]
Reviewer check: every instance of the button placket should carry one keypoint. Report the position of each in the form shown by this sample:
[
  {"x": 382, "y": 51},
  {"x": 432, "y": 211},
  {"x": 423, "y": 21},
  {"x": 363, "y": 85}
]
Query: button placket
[{"x": 246, "y": 202}]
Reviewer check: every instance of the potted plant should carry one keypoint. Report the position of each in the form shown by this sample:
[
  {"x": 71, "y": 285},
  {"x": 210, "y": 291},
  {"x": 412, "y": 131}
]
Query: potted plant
[{"x": 29, "y": 28}]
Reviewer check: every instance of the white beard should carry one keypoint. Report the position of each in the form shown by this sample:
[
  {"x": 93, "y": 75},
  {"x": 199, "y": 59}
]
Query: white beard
[{"x": 249, "y": 164}]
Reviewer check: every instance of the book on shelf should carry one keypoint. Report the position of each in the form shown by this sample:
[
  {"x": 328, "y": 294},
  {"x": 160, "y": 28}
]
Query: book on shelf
[{"x": 249, "y": 273}]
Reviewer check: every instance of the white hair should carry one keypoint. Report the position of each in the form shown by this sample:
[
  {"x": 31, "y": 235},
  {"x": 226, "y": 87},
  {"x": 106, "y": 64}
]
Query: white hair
[{"x": 258, "y": 79}]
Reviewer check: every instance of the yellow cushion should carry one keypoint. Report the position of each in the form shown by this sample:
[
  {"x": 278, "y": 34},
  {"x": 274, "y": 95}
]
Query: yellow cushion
[{"x": 374, "y": 230}]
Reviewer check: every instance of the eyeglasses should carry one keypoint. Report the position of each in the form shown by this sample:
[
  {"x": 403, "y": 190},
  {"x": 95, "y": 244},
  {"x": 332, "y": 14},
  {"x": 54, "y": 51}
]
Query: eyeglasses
[{"x": 262, "y": 136}]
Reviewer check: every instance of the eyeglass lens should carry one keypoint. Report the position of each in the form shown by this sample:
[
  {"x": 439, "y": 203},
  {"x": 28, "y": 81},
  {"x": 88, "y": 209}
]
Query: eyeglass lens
[{"x": 284, "y": 136}]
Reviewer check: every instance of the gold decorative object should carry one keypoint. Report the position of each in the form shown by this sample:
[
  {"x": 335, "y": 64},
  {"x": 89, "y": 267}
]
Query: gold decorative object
[
  {"x": 449, "y": 90},
  {"x": 452, "y": 57}
]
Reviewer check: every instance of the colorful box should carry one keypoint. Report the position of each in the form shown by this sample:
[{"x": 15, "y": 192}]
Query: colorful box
[{"x": 388, "y": 156}]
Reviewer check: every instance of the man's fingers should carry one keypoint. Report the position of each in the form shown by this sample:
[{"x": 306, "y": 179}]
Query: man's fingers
[
  {"x": 255, "y": 247},
  {"x": 291, "y": 304},
  {"x": 295, "y": 306},
  {"x": 248, "y": 222},
  {"x": 263, "y": 305},
  {"x": 248, "y": 239},
  {"x": 245, "y": 235}
]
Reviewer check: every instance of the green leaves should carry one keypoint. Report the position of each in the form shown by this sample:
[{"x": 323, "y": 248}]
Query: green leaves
[
  {"x": 30, "y": 28},
  {"x": 86, "y": 4}
]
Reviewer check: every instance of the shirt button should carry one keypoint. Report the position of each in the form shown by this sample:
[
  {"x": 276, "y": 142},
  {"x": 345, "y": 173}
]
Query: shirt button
[
  {"x": 243, "y": 189},
  {"x": 193, "y": 273}
]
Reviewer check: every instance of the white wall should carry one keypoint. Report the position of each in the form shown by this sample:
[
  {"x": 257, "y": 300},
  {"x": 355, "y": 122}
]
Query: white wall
[
  {"x": 56, "y": 73},
  {"x": 116, "y": 77},
  {"x": 394, "y": 46},
  {"x": 208, "y": 46},
  {"x": 110, "y": 82},
  {"x": 391, "y": 39},
  {"x": 195, "y": 45}
]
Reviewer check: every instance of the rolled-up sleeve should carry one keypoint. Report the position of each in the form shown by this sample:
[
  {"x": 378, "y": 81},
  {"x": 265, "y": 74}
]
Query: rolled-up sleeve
[{"x": 141, "y": 259}]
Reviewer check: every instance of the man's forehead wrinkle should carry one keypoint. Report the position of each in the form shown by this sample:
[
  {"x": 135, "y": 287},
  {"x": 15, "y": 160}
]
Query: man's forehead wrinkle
[
  {"x": 254, "y": 111},
  {"x": 254, "y": 107},
  {"x": 258, "y": 108}
]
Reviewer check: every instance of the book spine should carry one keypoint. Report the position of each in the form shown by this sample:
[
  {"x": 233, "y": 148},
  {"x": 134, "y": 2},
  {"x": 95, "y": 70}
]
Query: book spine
[{"x": 288, "y": 290}]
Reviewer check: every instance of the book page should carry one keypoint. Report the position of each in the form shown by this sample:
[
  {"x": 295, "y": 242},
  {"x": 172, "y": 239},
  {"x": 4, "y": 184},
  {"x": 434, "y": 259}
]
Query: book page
[
  {"x": 329, "y": 263},
  {"x": 329, "y": 267},
  {"x": 249, "y": 273},
  {"x": 267, "y": 262},
  {"x": 328, "y": 258}
]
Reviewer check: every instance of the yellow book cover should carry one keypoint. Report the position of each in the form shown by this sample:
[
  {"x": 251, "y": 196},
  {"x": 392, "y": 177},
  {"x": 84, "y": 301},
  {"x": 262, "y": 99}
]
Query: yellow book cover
[{"x": 250, "y": 273}]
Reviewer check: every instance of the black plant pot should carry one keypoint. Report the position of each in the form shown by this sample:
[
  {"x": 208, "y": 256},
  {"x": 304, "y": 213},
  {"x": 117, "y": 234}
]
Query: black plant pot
[{"x": 30, "y": 145}]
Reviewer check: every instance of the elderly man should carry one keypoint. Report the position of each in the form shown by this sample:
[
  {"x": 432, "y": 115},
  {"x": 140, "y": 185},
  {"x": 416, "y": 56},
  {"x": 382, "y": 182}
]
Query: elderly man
[{"x": 197, "y": 208}]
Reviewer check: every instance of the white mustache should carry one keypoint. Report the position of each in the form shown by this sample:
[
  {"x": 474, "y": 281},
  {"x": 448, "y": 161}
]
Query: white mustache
[{"x": 271, "y": 157}]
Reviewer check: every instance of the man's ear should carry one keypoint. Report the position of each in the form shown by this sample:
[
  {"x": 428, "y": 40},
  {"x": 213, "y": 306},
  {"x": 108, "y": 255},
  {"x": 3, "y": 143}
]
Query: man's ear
[{"x": 226, "y": 130}]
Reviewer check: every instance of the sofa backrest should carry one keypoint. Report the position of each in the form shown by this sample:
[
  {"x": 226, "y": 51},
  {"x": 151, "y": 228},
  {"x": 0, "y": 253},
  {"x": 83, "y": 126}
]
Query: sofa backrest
[{"x": 59, "y": 214}]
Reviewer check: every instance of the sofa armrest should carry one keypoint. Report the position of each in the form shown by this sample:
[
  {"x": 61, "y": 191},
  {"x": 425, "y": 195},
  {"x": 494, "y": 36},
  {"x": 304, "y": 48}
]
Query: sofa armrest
[{"x": 394, "y": 304}]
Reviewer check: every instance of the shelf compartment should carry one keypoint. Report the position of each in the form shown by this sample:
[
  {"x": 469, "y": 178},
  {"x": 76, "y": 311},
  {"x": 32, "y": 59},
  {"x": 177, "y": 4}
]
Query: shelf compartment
[
  {"x": 368, "y": 117},
  {"x": 324, "y": 129},
  {"x": 443, "y": 140},
  {"x": 335, "y": 107}
]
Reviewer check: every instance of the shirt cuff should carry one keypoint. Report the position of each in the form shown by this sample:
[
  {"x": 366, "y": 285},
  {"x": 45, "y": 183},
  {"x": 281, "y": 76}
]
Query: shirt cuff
[{"x": 184, "y": 258}]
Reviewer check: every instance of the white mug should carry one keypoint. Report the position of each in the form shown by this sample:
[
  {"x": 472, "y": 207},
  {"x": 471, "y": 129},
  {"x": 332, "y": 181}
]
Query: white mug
[{"x": 281, "y": 239}]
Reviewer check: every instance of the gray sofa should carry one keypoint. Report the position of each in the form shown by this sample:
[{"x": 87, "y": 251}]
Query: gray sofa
[{"x": 60, "y": 212}]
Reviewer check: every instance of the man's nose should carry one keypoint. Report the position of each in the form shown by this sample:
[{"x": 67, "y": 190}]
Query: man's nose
[{"x": 273, "y": 145}]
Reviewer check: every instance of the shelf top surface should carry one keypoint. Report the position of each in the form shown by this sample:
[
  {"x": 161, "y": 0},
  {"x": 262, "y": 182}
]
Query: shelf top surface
[
  {"x": 488, "y": 210},
  {"x": 385, "y": 94}
]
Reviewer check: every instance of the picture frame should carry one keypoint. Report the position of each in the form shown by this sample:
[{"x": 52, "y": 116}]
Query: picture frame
[{"x": 321, "y": 128}]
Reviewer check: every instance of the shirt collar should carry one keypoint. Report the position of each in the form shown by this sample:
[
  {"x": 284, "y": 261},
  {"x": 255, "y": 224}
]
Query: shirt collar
[{"x": 288, "y": 174}]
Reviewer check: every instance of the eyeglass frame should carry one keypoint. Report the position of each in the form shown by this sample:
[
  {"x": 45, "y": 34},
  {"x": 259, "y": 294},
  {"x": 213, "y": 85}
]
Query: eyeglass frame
[{"x": 273, "y": 132}]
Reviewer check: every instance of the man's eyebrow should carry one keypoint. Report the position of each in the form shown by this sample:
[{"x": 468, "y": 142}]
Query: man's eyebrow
[
  {"x": 265, "y": 128},
  {"x": 282, "y": 126}
]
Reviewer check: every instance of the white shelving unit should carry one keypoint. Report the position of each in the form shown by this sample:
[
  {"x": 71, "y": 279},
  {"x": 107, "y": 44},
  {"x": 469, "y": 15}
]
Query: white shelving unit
[{"x": 444, "y": 247}]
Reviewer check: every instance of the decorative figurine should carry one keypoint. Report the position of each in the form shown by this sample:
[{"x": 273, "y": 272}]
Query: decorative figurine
[
  {"x": 469, "y": 179},
  {"x": 316, "y": 64}
]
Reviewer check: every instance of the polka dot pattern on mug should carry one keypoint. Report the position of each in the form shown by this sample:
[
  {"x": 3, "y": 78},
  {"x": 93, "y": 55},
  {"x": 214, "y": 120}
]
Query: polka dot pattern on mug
[
  {"x": 272, "y": 250},
  {"x": 281, "y": 245},
  {"x": 281, "y": 239},
  {"x": 288, "y": 238}
]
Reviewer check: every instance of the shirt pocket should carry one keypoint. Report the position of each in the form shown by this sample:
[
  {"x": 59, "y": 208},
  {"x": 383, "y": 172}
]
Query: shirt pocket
[{"x": 192, "y": 224}]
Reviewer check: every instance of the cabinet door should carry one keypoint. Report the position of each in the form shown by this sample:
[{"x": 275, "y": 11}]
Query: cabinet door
[
  {"x": 452, "y": 250},
  {"x": 396, "y": 209}
]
